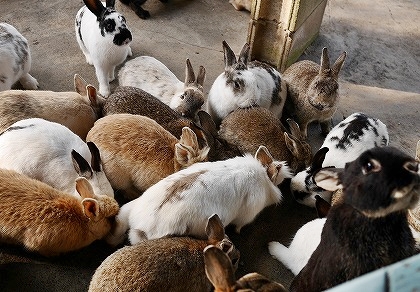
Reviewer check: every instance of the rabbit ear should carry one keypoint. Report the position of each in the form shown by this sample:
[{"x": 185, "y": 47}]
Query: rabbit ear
[
  {"x": 291, "y": 144},
  {"x": 110, "y": 3},
  {"x": 80, "y": 85},
  {"x": 325, "y": 61},
  {"x": 215, "y": 230},
  {"x": 229, "y": 56},
  {"x": 219, "y": 269},
  {"x": 338, "y": 64},
  {"x": 257, "y": 282},
  {"x": 189, "y": 73},
  {"x": 327, "y": 178},
  {"x": 95, "y": 6},
  {"x": 189, "y": 138},
  {"x": 244, "y": 55},
  {"x": 294, "y": 129},
  {"x": 318, "y": 159},
  {"x": 96, "y": 157},
  {"x": 264, "y": 156},
  {"x": 84, "y": 188},
  {"x": 322, "y": 206},
  {"x": 80, "y": 164},
  {"x": 201, "y": 76},
  {"x": 418, "y": 151},
  {"x": 90, "y": 208},
  {"x": 207, "y": 123}
]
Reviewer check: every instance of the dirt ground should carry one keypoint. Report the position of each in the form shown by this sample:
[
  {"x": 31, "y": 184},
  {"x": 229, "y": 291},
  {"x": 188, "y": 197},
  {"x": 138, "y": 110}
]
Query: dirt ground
[{"x": 380, "y": 77}]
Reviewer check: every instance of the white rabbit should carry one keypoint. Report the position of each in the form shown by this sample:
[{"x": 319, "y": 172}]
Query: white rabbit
[
  {"x": 245, "y": 84},
  {"x": 344, "y": 143},
  {"x": 154, "y": 77},
  {"x": 15, "y": 59},
  {"x": 104, "y": 39},
  {"x": 53, "y": 154},
  {"x": 236, "y": 189}
]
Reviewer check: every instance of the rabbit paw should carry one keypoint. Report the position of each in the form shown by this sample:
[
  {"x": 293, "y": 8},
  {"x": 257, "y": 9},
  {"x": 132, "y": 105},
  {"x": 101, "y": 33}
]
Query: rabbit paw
[{"x": 28, "y": 82}]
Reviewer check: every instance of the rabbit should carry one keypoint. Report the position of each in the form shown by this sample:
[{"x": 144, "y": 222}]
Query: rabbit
[
  {"x": 154, "y": 77},
  {"x": 135, "y": 5},
  {"x": 137, "y": 152},
  {"x": 247, "y": 128},
  {"x": 414, "y": 214},
  {"x": 104, "y": 38},
  {"x": 48, "y": 221},
  {"x": 245, "y": 84},
  {"x": 15, "y": 59},
  {"x": 221, "y": 273},
  {"x": 76, "y": 110},
  {"x": 369, "y": 229},
  {"x": 313, "y": 91},
  {"x": 167, "y": 264},
  {"x": 241, "y": 4},
  {"x": 344, "y": 143},
  {"x": 53, "y": 154},
  {"x": 237, "y": 189},
  {"x": 132, "y": 100}
]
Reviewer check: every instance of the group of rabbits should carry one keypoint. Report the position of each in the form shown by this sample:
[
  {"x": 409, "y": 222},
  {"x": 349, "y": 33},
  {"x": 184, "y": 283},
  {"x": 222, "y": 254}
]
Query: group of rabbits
[{"x": 160, "y": 166}]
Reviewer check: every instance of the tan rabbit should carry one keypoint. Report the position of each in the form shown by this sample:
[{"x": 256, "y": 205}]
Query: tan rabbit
[
  {"x": 137, "y": 152},
  {"x": 49, "y": 221},
  {"x": 312, "y": 91},
  {"x": 78, "y": 110},
  {"x": 221, "y": 274},
  {"x": 248, "y": 128},
  {"x": 165, "y": 264}
]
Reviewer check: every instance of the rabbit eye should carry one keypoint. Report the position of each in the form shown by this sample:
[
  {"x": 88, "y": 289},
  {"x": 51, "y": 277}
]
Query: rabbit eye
[
  {"x": 182, "y": 96},
  {"x": 109, "y": 25},
  {"x": 236, "y": 85},
  {"x": 371, "y": 166}
]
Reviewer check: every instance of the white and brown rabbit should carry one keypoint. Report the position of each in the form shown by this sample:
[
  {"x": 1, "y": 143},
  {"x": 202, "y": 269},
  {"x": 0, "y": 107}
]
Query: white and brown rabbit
[
  {"x": 244, "y": 84},
  {"x": 154, "y": 77},
  {"x": 15, "y": 59},
  {"x": 104, "y": 38},
  {"x": 313, "y": 92}
]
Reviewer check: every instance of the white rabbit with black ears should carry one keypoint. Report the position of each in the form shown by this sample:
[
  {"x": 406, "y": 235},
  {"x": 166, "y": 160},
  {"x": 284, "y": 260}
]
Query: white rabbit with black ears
[{"x": 104, "y": 38}]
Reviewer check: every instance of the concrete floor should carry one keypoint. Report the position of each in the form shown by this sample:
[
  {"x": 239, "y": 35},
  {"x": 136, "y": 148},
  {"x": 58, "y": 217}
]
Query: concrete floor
[{"x": 380, "y": 77}]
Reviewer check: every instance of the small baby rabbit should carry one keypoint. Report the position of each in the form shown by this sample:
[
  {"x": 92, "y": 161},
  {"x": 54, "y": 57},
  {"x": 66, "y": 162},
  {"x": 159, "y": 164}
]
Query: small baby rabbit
[
  {"x": 236, "y": 189},
  {"x": 137, "y": 152},
  {"x": 135, "y": 5},
  {"x": 166, "y": 264},
  {"x": 104, "y": 38},
  {"x": 220, "y": 272},
  {"x": 369, "y": 229},
  {"x": 76, "y": 110},
  {"x": 15, "y": 59},
  {"x": 313, "y": 92},
  {"x": 344, "y": 143},
  {"x": 154, "y": 77},
  {"x": 53, "y": 154},
  {"x": 48, "y": 221},
  {"x": 244, "y": 84},
  {"x": 247, "y": 128}
]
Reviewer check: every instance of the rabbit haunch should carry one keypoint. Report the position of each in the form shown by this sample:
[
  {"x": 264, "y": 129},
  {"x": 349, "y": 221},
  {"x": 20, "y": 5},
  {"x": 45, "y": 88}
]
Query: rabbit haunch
[
  {"x": 51, "y": 153},
  {"x": 167, "y": 264},
  {"x": 137, "y": 152},
  {"x": 369, "y": 228},
  {"x": 244, "y": 84},
  {"x": 236, "y": 189},
  {"x": 104, "y": 38},
  {"x": 15, "y": 59},
  {"x": 78, "y": 110},
  {"x": 49, "y": 221}
]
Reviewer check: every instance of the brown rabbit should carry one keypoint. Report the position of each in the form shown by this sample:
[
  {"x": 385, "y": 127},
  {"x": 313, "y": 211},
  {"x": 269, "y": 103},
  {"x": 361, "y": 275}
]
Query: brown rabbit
[
  {"x": 248, "y": 128},
  {"x": 164, "y": 264},
  {"x": 312, "y": 91},
  {"x": 221, "y": 274},
  {"x": 137, "y": 152}
]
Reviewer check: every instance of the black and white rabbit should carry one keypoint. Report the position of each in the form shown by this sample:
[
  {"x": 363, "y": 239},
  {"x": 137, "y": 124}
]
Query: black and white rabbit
[
  {"x": 15, "y": 59},
  {"x": 104, "y": 38}
]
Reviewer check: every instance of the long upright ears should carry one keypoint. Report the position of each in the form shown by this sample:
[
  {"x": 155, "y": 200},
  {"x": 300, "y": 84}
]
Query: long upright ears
[
  {"x": 189, "y": 73},
  {"x": 96, "y": 157},
  {"x": 318, "y": 159},
  {"x": 110, "y": 3},
  {"x": 325, "y": 62},
  {"x": 264, "y": 156},
  {"x": 90, "y": 205},
  {"x": 207, "y": 124},
  {"x": 244, "y": 54},
  {"x": 80, "y": 164},
  {"x": 80, "y": 85},
  {"x": 229, "y": 55},
  {"x": 338, "y": 64},
  {"x": 201, "y": 76},
  {"x": 219, "y": 269},
  {"x": 328, "y": 178},
  {"x": 188, "y": 146},
  {"x": 215, "y": 230},
  {"x": 96, "y": 6}
]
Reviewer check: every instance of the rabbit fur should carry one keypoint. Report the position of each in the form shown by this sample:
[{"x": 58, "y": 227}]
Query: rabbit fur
[
  {"x": 313, "y": 91},
  {"x": 154, "y": 77},
  {"x": 344, "y": 143},
  {"x": 378, "y": 189},
  {"x": 244, "y": 84},
  {"x": 135, "y": 5},
  {"x": 247, "y": 128},
  {"x": 48, "y": 221},
  {"x": 15, "y": 59},
  {"x": 78, "y": 110},
  {"x": 220, "y": 272},
  {"x": 241, "y": 4},
  {"x": 167, "y": 264},
  {"x": 104, "y": 38},
  {"x": 53, "y": 154},
  {"x": 137, "y": 152},
  {"x": 181, "y": 203}
]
